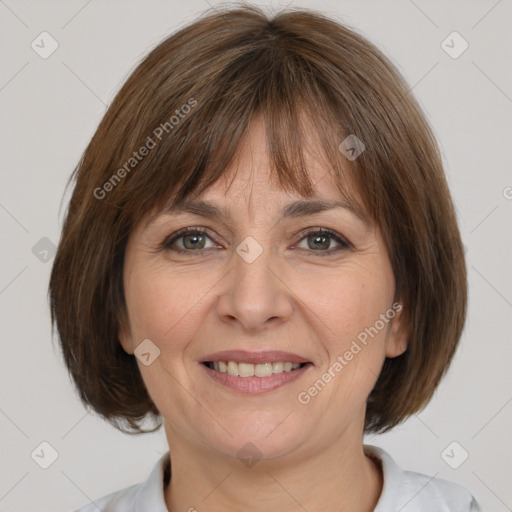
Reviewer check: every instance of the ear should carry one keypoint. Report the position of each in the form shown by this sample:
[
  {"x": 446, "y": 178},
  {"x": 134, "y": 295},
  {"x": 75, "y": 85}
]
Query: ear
[
  {"x": 124, "y": 335},
  {"x": 397, "y": 339}
]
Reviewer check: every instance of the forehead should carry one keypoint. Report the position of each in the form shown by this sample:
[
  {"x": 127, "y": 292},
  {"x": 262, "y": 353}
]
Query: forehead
[{"x": 249, "y": 176}]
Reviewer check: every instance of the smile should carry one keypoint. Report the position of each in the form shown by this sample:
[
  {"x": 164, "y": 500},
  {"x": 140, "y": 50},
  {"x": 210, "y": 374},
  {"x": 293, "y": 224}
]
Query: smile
[
  {"x": 252, "y": 373},
  {"x": 260, "y": 370}
]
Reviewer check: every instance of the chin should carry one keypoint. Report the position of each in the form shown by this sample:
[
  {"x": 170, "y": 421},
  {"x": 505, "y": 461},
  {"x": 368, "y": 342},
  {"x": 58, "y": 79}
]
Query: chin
[{"x": 268, "y": 438}]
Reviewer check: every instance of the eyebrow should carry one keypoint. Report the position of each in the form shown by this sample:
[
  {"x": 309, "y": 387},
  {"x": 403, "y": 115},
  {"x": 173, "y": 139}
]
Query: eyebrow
[{"x": 297, "y": 209}]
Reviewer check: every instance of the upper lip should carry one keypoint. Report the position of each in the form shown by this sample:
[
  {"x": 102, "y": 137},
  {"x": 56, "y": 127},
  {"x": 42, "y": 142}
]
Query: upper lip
[{"x": 243, "y": 356}]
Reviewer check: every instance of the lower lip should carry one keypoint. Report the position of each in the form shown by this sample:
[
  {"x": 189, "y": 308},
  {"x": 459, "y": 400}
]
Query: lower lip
[{"x": 255, "y": 385}]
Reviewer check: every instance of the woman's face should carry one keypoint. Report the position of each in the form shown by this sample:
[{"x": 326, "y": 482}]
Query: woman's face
[{"x": 258, "y": 287}]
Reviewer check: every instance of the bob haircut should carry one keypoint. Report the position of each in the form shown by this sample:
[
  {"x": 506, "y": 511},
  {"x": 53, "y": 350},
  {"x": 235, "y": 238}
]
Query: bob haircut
[{"x": 173, "y": 129}]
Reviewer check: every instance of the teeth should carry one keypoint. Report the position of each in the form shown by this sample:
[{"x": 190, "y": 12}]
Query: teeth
[
  {"x": 277, "y": 367},
  {"x": 263, "y": 370},
  {"x": 251, "y": 370},
  {"x": 232, "y": 368},
  {"x": 245, "y": 369}
]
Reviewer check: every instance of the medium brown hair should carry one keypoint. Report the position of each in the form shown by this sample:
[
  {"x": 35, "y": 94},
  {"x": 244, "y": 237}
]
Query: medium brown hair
[{"x": 302, "y": 71}]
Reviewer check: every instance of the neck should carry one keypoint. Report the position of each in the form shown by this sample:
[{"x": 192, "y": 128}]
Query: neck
[{"x": 340, "y": 478}]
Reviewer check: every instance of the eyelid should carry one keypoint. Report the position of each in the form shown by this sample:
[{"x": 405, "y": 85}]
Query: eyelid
[
  {"x": 343, "y": 242},
  {"x": 169, "y": 240},
  {"x": 340, "y": 239}
]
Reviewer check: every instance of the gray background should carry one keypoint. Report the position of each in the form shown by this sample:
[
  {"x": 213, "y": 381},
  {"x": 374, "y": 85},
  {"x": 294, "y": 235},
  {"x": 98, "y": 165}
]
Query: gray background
[{"x": 49, "y": 110}]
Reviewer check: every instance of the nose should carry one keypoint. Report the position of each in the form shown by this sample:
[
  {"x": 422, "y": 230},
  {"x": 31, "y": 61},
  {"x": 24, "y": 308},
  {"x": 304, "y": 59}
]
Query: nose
[{"x": 255, "y": 294}]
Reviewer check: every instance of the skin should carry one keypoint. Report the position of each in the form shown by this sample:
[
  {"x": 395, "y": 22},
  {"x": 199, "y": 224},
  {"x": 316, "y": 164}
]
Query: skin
[{"x": 288, "y": 299}]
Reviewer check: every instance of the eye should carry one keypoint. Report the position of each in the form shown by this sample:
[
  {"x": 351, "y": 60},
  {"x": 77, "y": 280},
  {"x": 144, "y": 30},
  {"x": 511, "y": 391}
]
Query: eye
[
  {"x": 195, "y": 240},
  {"x": 321, "y": 238},
  {"x": 191, "y": 239}
]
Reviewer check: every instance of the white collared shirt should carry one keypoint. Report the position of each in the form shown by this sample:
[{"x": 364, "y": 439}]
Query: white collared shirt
[{"x": 406, "y": 491}]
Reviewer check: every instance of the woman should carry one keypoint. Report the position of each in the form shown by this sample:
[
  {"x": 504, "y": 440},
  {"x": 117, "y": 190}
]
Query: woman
[{"x": 261, "y": 249}]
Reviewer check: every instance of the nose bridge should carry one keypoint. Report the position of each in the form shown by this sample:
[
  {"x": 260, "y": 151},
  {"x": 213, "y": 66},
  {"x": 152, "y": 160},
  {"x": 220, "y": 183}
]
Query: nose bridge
[
  {"x": 255, "y": 293},
  {"x": 252, "y": 263},
  {"x": 252, "y": 274}
]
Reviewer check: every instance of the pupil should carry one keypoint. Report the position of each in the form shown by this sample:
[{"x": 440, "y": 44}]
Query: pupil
[
  {"x": 317, "y": 238},
  {"x": 194, "y": 244}
]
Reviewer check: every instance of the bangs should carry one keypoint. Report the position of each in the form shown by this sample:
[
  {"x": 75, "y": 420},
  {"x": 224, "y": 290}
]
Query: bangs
[{"x": 300, "y": 117}]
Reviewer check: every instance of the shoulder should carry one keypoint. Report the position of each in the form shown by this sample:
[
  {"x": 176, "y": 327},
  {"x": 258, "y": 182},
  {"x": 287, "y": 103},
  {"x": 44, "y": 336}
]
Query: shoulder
[
  {"x": 142, "y": 497},
  {"x": 118, "y": 501},
  {"x": 409, "y": 491},
  {"x": 426, "y": 492}
]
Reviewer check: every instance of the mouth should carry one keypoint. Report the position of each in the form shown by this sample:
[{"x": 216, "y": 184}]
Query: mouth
[
  {"x": 254, "y": 372},
  {"x": 261, "y": 370}
]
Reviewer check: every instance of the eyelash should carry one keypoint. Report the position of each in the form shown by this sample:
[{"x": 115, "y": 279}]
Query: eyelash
[{"x": 167, "y": 243}]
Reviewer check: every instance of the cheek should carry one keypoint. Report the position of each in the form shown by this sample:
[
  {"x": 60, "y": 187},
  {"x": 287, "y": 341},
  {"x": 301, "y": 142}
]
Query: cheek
[
  {"x": 349, "y": 302},
  {"x": 162, "y": 309},
  {"x": 353, "y": 330},
  {"x": 164, "y": 305}
]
